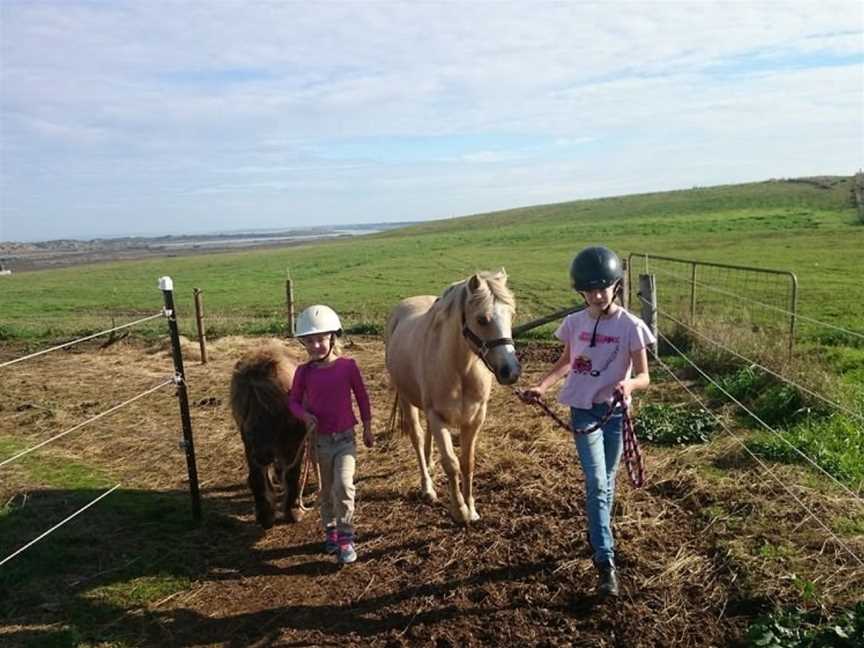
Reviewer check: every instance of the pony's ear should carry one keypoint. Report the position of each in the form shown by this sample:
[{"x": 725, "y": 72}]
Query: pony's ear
[
  {"x": 502, "y": 273},
  {"x": 474, "y": 282}
]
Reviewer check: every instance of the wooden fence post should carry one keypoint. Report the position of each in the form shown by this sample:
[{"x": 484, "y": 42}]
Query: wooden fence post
[
  {"x": 199, "y": 322},
  {"x": 624, "y": 297},
  {"x": 648, "y": 298},
  {"x": 289, "y": 299},
  {"x": 693, "y": 292}
]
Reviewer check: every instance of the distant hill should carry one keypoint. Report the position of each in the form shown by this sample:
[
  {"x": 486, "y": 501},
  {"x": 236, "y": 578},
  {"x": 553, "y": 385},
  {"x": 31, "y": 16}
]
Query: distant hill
[{"x": 808, "y": 226}]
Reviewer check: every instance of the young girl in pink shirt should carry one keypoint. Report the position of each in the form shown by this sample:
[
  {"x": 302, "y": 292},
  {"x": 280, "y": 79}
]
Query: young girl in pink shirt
[{"x": 321, "y": 397}]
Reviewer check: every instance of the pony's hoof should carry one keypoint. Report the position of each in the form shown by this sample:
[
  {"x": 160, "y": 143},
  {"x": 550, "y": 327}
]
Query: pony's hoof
[
  {"x": 265, "y": 518},
  {"x": 474, "y": 516},
  {"x": 461, "y": 516},
  {"x": 295, "y": 514},
  {"x": 429, "y": 496}
]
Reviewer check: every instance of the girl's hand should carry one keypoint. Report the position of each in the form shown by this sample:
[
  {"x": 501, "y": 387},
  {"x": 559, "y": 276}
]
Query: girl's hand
[
  {"x": 625, "y": 387},
  {"x": 534, "y": 393},
  {"x": 368, "y": 438},
  {"x": 310, "y": 421}
]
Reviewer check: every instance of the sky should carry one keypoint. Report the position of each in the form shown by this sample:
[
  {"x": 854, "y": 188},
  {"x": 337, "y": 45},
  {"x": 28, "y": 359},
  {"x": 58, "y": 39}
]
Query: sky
[{"x": 154, "y": 117}]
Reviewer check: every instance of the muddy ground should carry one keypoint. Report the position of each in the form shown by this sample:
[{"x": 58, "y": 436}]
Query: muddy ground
[{"x": 693, "y": 567}]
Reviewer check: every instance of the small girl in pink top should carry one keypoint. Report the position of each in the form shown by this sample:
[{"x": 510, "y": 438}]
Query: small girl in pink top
[{"x": 321, "y": 396}]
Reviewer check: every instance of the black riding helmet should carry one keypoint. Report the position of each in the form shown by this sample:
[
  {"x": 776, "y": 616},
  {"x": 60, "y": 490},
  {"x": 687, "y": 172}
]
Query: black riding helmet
[{"x": 595, "y": 267}]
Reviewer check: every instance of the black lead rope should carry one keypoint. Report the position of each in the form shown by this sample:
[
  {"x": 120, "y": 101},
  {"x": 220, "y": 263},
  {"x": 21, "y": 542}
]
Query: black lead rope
[{"x": 617, "y": 400}]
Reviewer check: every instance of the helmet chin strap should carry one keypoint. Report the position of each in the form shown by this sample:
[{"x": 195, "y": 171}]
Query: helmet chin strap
[{"x": 605, "y": 310}]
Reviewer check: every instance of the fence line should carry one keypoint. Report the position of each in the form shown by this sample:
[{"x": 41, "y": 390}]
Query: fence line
[
  {"x": 764, "y": 424},
  {"x": 79, "y": 340},
  {"x": 764, "y": 368},
  {"x": 95, "y": 418},
  {"x": 764, "y": 466},
  {"x": 797, "y": 316},
  {"x": 58, "y": 525},
  {"x": 167, "y": 287}
]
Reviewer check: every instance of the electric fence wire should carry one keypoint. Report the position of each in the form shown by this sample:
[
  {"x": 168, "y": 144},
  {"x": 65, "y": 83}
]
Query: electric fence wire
[
  {"x": 754, "y": 363},
  {"x": 763, "y": 465},
  {"x": 58, "y": 525},
  {"x": 79, "y": 340},
  {"x": 797, "y": 450},
  {"x": 170, "y": 381}
]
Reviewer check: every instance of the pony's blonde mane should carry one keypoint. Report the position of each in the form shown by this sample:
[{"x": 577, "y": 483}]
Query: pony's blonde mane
[{"x": 493, "y": 287}]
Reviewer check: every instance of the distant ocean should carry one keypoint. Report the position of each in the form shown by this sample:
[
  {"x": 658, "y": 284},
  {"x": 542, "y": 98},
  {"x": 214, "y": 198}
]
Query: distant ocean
[{"x": 241, "y": 241}]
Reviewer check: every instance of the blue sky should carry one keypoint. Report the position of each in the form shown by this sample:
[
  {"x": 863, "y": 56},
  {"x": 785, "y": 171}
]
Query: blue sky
[{"x": 148, "y": 118}]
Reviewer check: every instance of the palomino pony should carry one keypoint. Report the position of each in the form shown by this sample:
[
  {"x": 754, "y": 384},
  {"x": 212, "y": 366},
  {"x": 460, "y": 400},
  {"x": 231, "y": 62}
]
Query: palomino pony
[
  {"x": 272, "y": 437},
  {"x": 442, "y": 354}
]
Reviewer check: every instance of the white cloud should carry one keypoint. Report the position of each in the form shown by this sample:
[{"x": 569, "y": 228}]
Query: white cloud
[{"x": 154, "y": 104}]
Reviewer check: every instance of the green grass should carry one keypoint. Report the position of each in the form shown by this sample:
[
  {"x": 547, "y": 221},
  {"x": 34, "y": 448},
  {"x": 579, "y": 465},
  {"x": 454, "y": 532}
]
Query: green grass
[
  {"x": 794, "y": 628},
  {"x": 670, "y": 425},
  {"x": 147, "y": 537},
  {"x": 836, "y": 444},
  {"x": 773, "y": 224},
  {"x": 133, "y": 548},
  {"x": 52, "y": 471}
]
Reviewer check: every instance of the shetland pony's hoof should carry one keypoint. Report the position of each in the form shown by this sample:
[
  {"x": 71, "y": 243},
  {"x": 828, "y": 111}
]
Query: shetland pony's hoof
[
  {"x": 474, "y": 516},
  {"x": 429, "y": 496},
  {"x": 295, "y": 515},
  {"x": 265, "y": 518}
]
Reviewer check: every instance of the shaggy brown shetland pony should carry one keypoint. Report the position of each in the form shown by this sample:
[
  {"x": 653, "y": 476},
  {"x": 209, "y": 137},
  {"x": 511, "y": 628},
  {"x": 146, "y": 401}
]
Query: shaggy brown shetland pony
[
  {"x": 273, "y": 438},
  {"x": 442, "y": 354}
]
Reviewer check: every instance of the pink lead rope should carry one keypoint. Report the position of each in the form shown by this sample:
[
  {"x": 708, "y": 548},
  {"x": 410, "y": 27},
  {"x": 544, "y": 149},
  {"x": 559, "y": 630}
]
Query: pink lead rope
[{"x": 632, "y": 454}]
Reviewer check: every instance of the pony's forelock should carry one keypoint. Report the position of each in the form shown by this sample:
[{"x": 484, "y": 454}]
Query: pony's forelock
[{"x": 492, "y": 288}]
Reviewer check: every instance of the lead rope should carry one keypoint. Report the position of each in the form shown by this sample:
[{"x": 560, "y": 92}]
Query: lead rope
[
  {"x": 632, "y": 454},
  {"x": 307, "y": 463}
]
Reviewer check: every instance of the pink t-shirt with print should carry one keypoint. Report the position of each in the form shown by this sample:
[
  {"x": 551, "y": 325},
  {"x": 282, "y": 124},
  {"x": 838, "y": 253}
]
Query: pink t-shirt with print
[{"x": 594, "y": 371}]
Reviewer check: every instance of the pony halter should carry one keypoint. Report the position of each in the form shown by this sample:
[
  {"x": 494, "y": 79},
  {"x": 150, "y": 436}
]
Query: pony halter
[{"x": 481, "y": 347}]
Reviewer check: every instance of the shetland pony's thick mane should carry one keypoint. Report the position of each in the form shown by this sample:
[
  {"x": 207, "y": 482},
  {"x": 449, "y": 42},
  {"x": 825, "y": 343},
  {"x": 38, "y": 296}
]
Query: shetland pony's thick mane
[{"x": 255, "y": 388}]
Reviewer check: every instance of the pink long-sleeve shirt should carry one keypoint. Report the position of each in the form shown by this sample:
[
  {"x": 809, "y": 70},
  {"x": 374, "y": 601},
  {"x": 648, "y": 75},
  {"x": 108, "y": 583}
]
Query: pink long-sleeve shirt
[{"x": 325, "y": 392}]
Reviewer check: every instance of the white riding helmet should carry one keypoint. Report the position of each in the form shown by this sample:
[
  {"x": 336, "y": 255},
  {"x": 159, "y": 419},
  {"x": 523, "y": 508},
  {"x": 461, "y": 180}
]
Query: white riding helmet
[{"x": 318, "y": 319}]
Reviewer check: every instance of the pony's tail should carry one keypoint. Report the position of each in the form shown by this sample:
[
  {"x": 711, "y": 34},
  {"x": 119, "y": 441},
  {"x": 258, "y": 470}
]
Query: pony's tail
[{"x": 395, "y": 412}]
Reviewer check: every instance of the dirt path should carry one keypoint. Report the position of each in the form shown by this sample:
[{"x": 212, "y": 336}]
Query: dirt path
[{"x": 521, "y": 576}]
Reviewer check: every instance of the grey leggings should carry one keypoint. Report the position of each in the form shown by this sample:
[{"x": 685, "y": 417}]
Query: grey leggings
[{"x": 337, "y": 458}]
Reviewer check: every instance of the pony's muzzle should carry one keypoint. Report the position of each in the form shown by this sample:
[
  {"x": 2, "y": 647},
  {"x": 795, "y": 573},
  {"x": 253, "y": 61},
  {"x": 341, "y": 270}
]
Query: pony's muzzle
[{"x": 509, "y": 372}]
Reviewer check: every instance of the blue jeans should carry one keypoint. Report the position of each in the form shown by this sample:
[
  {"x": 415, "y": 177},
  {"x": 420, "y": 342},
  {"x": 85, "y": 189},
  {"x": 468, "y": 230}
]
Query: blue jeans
[{"x": 599, "y": 454}]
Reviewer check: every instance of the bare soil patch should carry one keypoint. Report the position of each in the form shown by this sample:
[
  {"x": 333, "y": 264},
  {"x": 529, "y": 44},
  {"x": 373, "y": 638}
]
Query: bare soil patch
[{"x": 690, "y": 545}]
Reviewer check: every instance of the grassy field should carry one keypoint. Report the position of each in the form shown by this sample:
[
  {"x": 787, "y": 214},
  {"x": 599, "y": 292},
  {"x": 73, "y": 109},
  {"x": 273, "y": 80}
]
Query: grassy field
[
  {"x": 803, "y": 228},
  {"x": 809, "y": 229}
]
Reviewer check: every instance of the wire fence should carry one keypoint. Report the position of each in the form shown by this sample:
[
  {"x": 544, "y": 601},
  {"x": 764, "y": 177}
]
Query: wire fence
[
  {"x": 80, "y": 340},
  {"x": 696, "y": 290},
  {"x": 176, "y": 379},
  {"x": 58, "y": 525},
  {"x": 765, "y": 468},
  {"x": 107, "y": 412},
  {"x": 690, "y": 328},
  {"x": 755, "y": 363},
  {"x": 761, "y": 422}
]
